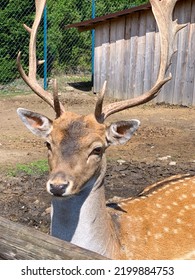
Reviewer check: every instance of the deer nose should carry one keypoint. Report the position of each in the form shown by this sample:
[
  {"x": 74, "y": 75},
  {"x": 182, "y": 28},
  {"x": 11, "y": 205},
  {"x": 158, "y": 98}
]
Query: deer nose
[{"x": 58, "y": 190}]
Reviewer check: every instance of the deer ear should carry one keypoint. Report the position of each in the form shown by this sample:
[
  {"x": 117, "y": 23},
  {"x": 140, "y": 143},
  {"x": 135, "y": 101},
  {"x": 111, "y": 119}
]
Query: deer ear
[
  {"x": 36, "y": 123},
  {"x": 121, "y": 132}
]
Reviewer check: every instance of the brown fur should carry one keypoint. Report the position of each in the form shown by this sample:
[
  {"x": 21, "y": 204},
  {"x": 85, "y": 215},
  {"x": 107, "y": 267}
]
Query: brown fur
[{"x": 159, "y": 225}]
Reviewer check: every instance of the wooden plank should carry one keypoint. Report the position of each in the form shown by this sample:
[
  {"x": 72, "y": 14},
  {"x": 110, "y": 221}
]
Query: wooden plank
[
  {"x": 97, "y": 59},
  {"x": 112, "y": 58},
  {"x": 18, "y": 242},
  {"x": 127, "y": 51},
  {"x": 140, "y": 58},
  {"x": 104, "y": 54},
  {"x": 149, "y": 50},
  {"x": 133, "y": 54},
  {"x": 189, "y": 84},
  {"x": 184, "y": 14},
  {"x": 119, "y": 58}
]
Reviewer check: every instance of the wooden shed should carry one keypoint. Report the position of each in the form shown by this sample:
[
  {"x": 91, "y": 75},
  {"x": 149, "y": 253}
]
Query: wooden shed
[{"x": 127, "y": 54}]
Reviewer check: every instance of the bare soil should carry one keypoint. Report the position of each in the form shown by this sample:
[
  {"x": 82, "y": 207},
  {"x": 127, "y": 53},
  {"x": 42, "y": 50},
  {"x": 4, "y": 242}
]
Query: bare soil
[{"x": 163, "y": 146}]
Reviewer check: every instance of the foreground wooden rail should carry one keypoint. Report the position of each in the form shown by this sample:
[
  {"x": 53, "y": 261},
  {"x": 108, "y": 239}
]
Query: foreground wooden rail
[{"x": 18, "y": 242}]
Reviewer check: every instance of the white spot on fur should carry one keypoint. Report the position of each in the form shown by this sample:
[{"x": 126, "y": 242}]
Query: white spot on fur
[
  {"x": 189, "y": 225},
  {"x": 188, "y": 178},
  {"x": 181, "y": 212},
  {"x": 164, "y": 215},
  {"x": 182, "y": 197},
  {"x": 173, "y": 183},
  {"x": 166, "y": 229},
  {"x": 179, "y": 221},
  {"x": 133, "y": 238},
  {"x": 175, "y": 203},
  {"x": 158, "y": 236},
  {"x": 158, "y": 205}
]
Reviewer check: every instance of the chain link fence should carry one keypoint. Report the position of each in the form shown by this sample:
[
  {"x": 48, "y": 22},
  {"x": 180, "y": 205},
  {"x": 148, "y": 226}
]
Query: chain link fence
[{"x": 69, "y": 52}]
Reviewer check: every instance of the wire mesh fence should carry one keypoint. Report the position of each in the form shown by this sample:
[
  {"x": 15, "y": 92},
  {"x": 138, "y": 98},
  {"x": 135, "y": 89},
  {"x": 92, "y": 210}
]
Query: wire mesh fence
[{"x": 69, "y": 52}]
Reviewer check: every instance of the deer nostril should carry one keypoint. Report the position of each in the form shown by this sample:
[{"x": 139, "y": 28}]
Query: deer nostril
[{"x": 58, "y": 190}]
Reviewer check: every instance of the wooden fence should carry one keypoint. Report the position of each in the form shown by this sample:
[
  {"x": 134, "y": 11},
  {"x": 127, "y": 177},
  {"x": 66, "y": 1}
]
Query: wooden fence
[
  {"x": 127, "y": 56},
  {"x": 18, "y": 242}
]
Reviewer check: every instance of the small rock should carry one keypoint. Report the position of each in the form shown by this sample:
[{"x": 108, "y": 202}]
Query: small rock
[
  {"x": 164, "y": 158},
  {"x": 121, "y": 161},
  {"x": 48, "y": 210},
  {"x": 36, "y": 201},
  {"x": 69, "y": 88},
  {"x": 172, "y": 163}
]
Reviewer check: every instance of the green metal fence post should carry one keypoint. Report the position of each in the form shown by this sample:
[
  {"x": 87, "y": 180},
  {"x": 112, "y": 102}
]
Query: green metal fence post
[
  {"x": 45, "y": 46},
  {"x": 93, "y": 42}
]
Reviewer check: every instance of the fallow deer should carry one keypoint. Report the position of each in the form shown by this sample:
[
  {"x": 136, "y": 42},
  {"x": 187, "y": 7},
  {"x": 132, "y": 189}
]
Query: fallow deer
[{"x": 160, "y": 223}]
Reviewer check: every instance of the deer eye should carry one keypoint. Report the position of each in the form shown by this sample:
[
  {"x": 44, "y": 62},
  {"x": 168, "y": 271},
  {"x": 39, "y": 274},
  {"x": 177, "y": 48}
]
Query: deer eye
[
  {"x": 48, "y": 145},
  {"x": 97, "y": 151}
]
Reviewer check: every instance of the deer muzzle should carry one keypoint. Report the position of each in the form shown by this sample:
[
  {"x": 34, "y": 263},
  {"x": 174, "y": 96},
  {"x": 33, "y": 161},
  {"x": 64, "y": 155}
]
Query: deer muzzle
[{"x": 59, "y": 187}]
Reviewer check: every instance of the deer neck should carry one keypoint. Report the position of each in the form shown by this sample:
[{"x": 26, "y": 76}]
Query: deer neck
[{"x": 83, "y": 219}]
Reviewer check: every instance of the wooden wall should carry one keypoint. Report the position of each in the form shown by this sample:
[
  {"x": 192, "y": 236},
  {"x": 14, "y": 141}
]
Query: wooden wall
[{"x": 127, "y": 56}]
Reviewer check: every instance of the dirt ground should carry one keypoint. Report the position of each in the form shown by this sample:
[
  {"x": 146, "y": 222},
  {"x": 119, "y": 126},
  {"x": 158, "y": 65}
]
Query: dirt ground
[{"x": 163, "y": 146}]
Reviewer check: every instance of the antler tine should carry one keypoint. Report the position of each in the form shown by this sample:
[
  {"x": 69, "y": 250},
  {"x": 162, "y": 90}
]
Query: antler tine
[
  {"x": 99, "y": 103},
  {"x": 30, "y": 79},
  {"x": 162, "y": 10},
  {"x": 55, "y": 99}
]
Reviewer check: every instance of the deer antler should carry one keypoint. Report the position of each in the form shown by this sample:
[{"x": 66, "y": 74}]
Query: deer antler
[
  {"x": 31, "y": 80},
  {"x": 162, "y": 10}
]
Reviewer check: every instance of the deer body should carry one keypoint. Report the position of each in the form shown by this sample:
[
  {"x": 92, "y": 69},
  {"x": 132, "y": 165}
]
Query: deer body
[
  {"x": 152, "y": 226},
  {"x": 160, "y": 223}
]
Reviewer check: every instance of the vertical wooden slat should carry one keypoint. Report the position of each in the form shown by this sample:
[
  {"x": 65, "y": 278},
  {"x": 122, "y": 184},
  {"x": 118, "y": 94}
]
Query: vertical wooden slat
[
  {"x": 149, "y": 51},
  {"x": 183, "y": 12},
  {"x": 104, "y": 53},
  {"x": 112, "y": 66},
  {"x": 127, "y": 51},
  {"x": 189, "y": 77},
  {"x": 97, "y": 59},
  {"x": 133, "y": 54},
  {"x": 140, "y": 59},
  {"x": 119, "y": 58}
]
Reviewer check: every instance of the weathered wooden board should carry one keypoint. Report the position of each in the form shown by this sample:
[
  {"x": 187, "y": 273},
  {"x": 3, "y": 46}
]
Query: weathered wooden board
[
  {"x": 149, "y": 52},
  {"x": 18, "y": 242}
]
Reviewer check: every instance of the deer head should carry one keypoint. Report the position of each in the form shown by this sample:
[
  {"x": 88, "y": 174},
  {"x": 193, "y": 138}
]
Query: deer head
[{"x": 76, "y": 146}]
